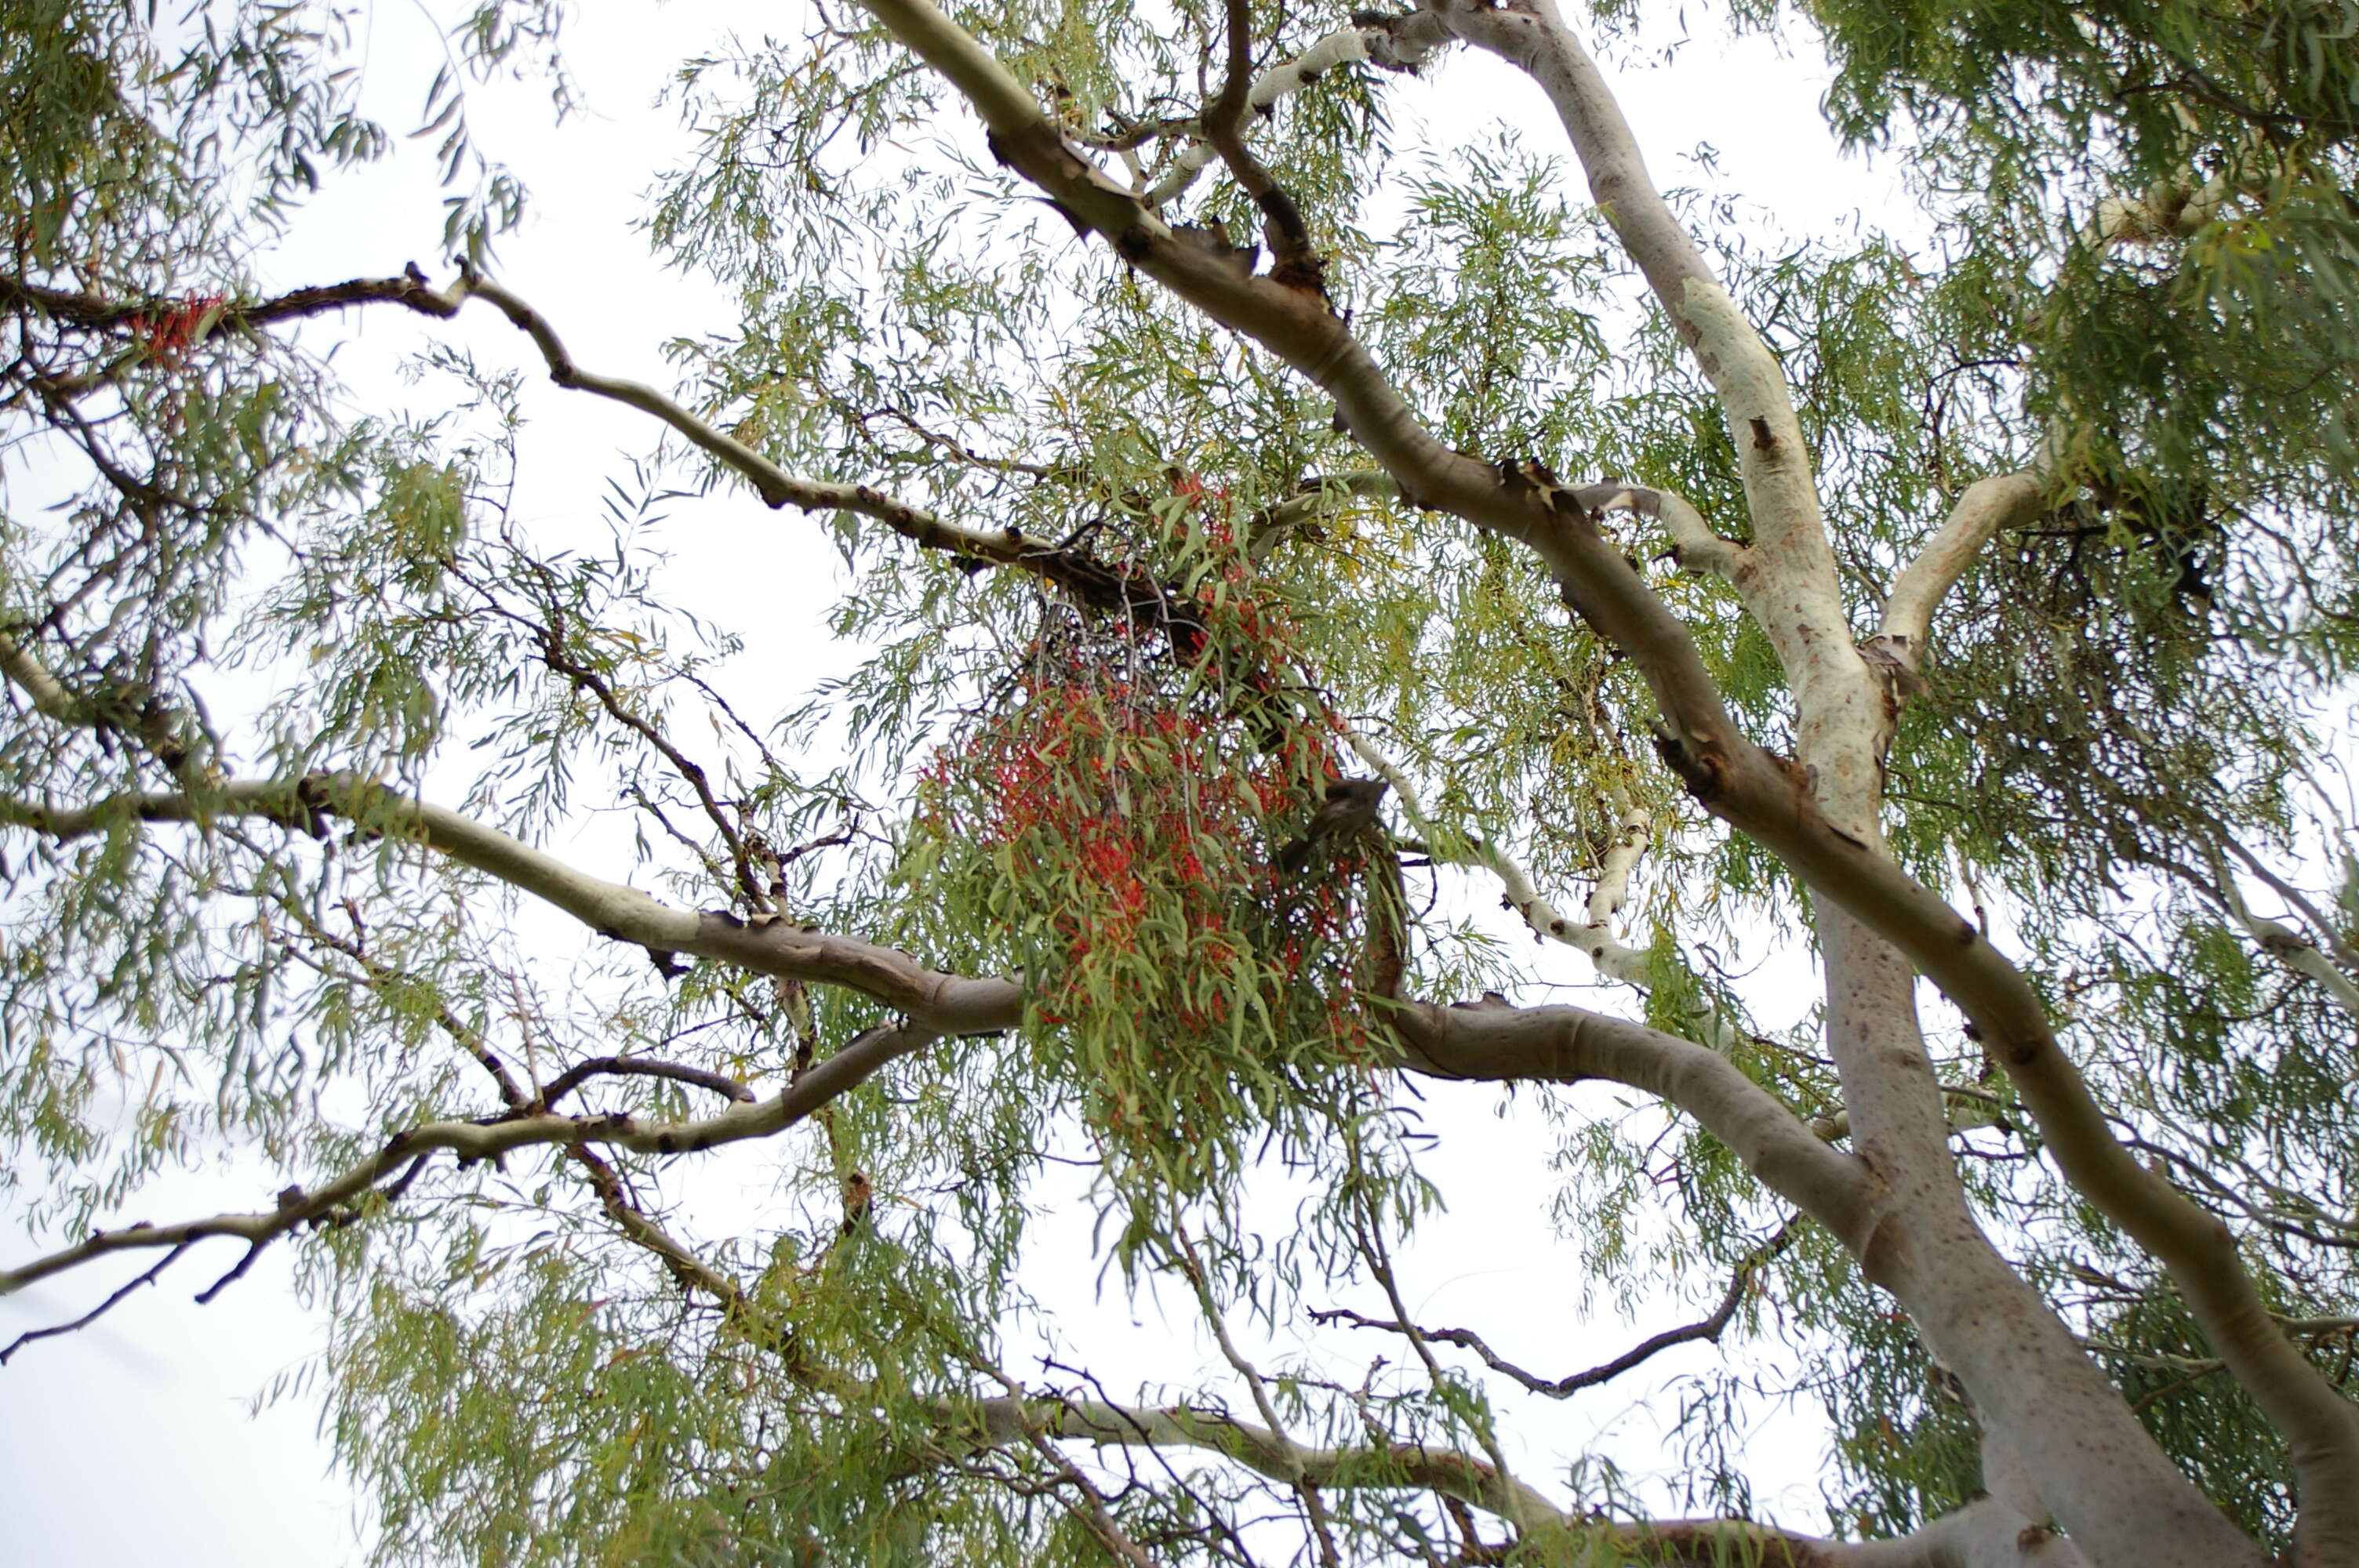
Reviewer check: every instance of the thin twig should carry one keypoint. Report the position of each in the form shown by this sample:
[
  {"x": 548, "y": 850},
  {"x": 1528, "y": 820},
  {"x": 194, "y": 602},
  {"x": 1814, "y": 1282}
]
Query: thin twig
[{"x": 102, "y": 1309}]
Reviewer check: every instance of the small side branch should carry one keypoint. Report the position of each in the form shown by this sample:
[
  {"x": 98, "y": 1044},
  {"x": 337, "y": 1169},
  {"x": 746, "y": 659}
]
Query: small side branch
[
  {"x": 1594, "y": 935},
  {"x": 103, "y": 1308},
  {"x": 2280, "y": 941},
  {"x": 1299, "y": 514},
  {"x": 1694, "y": 544},
  {"x": 48, "y": 695},
  {"x": 1396, "y": 43},
  {"x": 574, "y": 1077},
  {"x": 1706, "y": 1330},
  {"x": 2329, "y": 932},
  {"x": 1297, "y": 263},
  {"x": 478, "y": 1141},
  {"x": 1094, "y": 581}
]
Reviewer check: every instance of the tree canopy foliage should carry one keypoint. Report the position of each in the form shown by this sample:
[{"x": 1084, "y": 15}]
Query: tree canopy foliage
[{"x": 1974, "y": 602}]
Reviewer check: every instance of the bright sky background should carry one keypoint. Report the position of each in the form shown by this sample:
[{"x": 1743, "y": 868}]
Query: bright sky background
[{"x": 132, "y": 1441}]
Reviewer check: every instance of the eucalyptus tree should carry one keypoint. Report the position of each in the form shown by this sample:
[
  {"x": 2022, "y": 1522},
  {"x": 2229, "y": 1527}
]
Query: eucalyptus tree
[{"x": 1260, "y": 541}]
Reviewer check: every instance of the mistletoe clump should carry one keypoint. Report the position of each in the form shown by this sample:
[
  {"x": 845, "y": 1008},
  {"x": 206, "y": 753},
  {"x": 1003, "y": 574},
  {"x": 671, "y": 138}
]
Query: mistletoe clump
[{"x": 1115, "y": 814}]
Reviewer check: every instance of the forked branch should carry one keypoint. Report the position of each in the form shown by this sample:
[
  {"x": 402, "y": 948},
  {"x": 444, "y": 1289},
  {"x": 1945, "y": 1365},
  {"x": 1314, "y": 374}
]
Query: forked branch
[{"x": 1707, "y": 1329}]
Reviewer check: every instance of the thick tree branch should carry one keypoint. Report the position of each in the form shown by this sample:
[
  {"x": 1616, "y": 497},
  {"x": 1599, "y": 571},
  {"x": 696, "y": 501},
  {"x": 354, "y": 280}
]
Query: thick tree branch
[
  {"x": 1988, "y": 508},
  {"x": 1492, "y": 1041},
  {"x": 1694, "y": 544},
  {"x": 1440, "y": 1470},
  {"x": 1984, "y": 1534},
  {"x": 1530, "y": 35}
]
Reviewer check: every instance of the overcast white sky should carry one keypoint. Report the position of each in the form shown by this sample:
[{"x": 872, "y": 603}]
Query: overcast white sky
[{"x": 132, "y": 1442}]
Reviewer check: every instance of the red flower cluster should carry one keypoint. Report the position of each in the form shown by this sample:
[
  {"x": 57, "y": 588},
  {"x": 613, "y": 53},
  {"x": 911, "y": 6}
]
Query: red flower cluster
[
  {"x": 1115, "y": 814},
  {"x": 1140, "y": 830},
  {"x": 169, "y": 334}
]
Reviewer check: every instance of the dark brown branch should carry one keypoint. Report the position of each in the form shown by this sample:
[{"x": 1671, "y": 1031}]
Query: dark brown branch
[
  {"x": 965, "y": 454},
  {"x": 1096, "y": 583},
  {"x": 574, "y": 1077},
  {"x": 1705, "y": 1329},
  {"x": 91, "y": 310},
  {"x": 236, "y": 1273},
  {"x": 689, "y": 1272},
  {"x": 548, "y": 636},
  {"x": 378, "y": 976},
  {"x": 1298, "y": 264},
  {"x": 102, "y": 1309}
]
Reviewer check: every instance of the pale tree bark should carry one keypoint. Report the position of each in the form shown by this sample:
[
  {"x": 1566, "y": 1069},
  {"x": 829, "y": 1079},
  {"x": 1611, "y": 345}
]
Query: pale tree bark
[
  {"x": 2076, "y": 1446},
  {"x": 1787, "y": 578},
  {"x": 1986, "y": 509}
]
